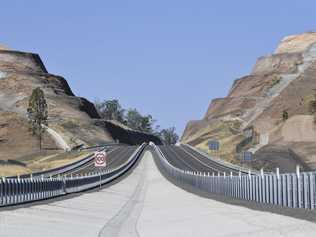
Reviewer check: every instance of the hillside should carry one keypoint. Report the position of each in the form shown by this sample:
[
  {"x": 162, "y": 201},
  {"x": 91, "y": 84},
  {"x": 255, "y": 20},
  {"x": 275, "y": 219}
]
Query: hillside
[
  {"x": 250, "y": 117},
  {"x": 72, "y": 120}
]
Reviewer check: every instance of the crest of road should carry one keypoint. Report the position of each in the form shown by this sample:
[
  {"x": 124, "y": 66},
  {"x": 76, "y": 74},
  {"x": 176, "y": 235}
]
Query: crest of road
[{"x": 145, "y": 203}]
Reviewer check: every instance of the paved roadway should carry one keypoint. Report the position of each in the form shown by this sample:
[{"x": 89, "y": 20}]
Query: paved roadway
[
  {"x": 115, "y": 157},
  {"x": 187, "y": 159},
  {"x": 146, "y": 204}
]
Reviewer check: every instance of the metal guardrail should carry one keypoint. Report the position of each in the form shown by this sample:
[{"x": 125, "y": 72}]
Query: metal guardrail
[
  {"x": 294, "y": 190},
  {"x": 22, "y": 190}
]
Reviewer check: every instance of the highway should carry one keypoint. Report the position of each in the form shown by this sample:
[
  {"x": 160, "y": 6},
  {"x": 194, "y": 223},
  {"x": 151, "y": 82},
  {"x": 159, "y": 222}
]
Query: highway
[
  {"x": 115, "y": 157},
  {"x": 187, "y": 159},
  {"x": 145, "y": 203}
]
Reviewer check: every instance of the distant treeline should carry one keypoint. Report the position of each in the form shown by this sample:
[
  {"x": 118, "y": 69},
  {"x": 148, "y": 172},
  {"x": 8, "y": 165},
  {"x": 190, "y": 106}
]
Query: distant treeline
[{"x": 112, "y": 110}]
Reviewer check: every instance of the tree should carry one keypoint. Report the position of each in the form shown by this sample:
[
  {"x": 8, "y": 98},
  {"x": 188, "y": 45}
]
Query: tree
[
  {"x": 110, "y": 110},
  {"x": 37, "y": 113},
  {"x": 136, "y": 121},
  {"x": 169, "y": 136},
  {"x": 285, "y": 115},
  {"x": 147, "y": 123}
]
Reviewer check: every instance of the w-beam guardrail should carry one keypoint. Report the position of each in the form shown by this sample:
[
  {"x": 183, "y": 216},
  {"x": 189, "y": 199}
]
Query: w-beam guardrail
[
  {"x": 294, "y": 190},
  {"x": 22, "y": 190}
]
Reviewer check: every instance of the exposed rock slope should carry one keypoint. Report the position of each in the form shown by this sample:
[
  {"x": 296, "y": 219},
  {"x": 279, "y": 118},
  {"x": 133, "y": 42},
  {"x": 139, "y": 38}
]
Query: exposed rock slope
[
  {"x": 69, "y": 116},
  {"x": 283, "y": 81},
  {"x": 72, "y": 120}
]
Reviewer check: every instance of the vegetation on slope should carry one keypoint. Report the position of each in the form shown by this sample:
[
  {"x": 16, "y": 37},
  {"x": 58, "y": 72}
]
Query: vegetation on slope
[{"x": 133, "y": 119}]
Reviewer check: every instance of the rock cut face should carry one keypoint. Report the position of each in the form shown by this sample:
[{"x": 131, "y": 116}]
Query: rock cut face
[
  {"x": 296, "y": 43},
  {"x": 16, "y": 61},
  {"x": 283, "y": 81},
  {"x": 70, "y": 116}
]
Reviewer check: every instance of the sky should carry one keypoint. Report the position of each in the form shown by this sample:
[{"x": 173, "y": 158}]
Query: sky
[{"x": 167, "y": 58}]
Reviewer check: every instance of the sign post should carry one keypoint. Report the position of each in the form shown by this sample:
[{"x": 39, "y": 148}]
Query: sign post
[{"x": 100, "y": 162}]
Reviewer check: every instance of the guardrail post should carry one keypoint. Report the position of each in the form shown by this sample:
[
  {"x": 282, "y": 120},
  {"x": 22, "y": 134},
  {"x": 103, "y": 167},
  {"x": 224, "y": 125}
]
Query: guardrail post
[
  {"x": 274, "y": 188},
  {"x": 19, "y": 191},
  {"x": 42, "y": 187},
  {"x": 239, "y": 186},
  {"x": 312, "y": 190},
  {"x": 14, "y": 190},
  {"x": 224, "y": 184},
  {"x": 257, "y": 180},
  {"x": 22, "y": 190},
  {"x": 289, "y": 191},
  {"x": 251, "y": 195},
  {"x": 299, "y": 187},
  {"x": 5, "y": 191},
  {"x": 264, "y": 186},
  {"x": 1, "y": 192},
  {"x": 305, "y": 185},
  {"x": 8, "y": 191},
  {"x": 298, "y": 170},
  {"x": 27, "y": 192}
]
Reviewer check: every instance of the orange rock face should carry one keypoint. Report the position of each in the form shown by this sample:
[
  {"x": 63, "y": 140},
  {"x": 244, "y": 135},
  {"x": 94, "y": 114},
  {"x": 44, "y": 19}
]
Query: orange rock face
[{"x": 296, "y": 43}]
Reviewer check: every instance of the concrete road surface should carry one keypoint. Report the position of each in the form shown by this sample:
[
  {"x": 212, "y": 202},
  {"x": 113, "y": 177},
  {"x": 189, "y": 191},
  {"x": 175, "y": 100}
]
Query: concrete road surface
[{"x": 146, "y": 204}]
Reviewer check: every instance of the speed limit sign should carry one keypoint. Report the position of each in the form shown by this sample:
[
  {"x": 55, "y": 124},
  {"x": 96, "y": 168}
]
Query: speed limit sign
[{"x": 100, "y": 159}]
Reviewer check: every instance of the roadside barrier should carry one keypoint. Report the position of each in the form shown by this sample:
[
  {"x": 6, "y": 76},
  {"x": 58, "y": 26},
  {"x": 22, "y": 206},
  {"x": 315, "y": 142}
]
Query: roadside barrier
[
  {"x": 59, "y": 170},
  {"x": 294, "y": 190},
  {"x": 22, "y": 190}
]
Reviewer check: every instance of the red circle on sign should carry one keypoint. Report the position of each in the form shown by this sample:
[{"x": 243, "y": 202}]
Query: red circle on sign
[{"x": 100, "y": 158}]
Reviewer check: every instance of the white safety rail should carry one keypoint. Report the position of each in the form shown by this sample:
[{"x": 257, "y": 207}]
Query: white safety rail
[
  {"x": 295, "y": 190},
  {"x": 22, "y": 190}
]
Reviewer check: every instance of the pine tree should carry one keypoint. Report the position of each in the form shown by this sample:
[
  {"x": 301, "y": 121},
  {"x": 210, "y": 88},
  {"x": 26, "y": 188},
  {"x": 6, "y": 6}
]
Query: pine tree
[{"x": 37, "y": 114}]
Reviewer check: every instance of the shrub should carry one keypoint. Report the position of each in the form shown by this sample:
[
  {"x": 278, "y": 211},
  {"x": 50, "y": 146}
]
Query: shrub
[{"x": 285, "y": 115}]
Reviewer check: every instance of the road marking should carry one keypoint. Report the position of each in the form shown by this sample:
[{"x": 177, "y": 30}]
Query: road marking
[
  {"x": 89, "y": 163},
  {"x": 179, "y": 158},
  {"x": 199, "y": 160}
]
